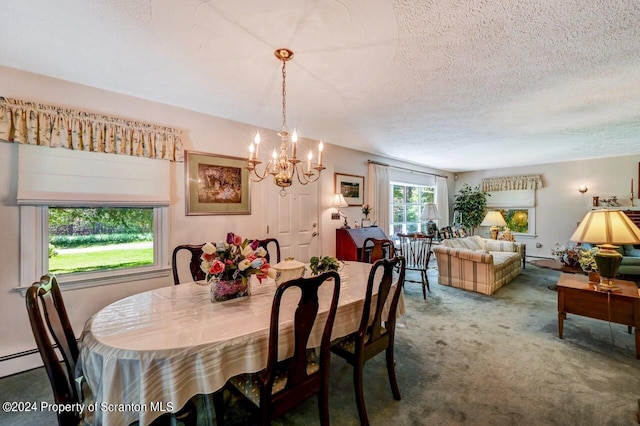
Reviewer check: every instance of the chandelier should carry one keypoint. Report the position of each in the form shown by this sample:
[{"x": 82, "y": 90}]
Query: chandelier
[{"x": 282, "y": 167}]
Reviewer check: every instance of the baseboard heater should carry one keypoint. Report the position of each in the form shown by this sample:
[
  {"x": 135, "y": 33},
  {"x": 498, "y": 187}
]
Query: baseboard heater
[{"x": 26, "y": 353}]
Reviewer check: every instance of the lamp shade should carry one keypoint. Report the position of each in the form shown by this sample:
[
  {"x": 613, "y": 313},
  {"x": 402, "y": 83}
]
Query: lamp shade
[
  {"x": 339, "y": 201},
  {"x": 430, "y": 212},
  {"x": 493, "y": 218},
  {"x": 606, "y": 227}
]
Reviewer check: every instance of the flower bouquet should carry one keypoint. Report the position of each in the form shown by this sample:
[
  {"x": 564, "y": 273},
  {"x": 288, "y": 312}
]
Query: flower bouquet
[
  {"x": 230, "y": 264},
  {"x": 587, "y": 260},
  {"x": 567, "y": 254}
]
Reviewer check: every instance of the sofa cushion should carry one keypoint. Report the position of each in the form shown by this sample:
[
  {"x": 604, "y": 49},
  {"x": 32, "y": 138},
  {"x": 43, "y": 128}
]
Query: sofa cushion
[
  {"x": 503, "y": 259},
  {"x": 630, "y": 261},
  {"x": 497, "y": 245},
  {"x": 463, "y": 243},
  {"x": 478, "y": 239},
  {"x": 630, "y": 250}
]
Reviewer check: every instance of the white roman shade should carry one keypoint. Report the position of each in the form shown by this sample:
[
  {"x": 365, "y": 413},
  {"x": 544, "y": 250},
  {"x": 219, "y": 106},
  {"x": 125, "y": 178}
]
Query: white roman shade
[
  {"x": 63, "y": 177},
  {"x": 511, "y": 199}
]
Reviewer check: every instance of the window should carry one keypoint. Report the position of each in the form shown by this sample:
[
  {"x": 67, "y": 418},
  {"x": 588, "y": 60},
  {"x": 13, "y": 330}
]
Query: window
[
  {"x": 95, "y": 263},
  {"x": 407, "y": 202},
  {"x": 65, "y": 194},
  {"x": 517, "y": 220},
  {"x": 83, "y": 239},
  {"x": 517, "y": 208}
]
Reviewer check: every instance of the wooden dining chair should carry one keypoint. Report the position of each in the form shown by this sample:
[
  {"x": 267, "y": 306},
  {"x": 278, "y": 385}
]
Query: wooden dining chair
[
  {"x": 194, "y": 265},
  {"x": 48, "y": 317},
  {"x": 283, "y": 385},
  {"x": 266, "y": 243},
  {"x": 373, "y": 337},
  {"x": 374, "y": 249},
  {"x": 416, "y": 249},
  {"x": 47, "y": 314}
]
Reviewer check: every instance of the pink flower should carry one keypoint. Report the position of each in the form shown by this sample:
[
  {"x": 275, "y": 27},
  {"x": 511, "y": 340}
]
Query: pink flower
[
  {"x": 208, "y": 257},
  {"x": 217, "y": 267}
]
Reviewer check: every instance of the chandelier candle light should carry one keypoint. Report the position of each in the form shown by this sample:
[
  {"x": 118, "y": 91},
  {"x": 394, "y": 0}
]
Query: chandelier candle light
[{"x": 282, "y": 167}]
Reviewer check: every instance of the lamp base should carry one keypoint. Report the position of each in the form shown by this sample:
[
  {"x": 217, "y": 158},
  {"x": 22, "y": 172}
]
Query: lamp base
[
  {"x": 494, "y": 232},
  {"x": 346, "y": 224},
  {"x": 607, "y": 260},
  {"x": 607, "y": 284}
]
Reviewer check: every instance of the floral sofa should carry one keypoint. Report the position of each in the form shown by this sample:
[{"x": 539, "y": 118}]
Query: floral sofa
[{"x": 478, "y": 264}]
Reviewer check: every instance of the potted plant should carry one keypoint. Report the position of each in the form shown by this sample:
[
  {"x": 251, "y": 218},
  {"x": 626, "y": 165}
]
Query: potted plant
[
  {"x": 366, "y": 210},
  {"x": 322, "y": 264},
  {"x": 471, "y": 205}
]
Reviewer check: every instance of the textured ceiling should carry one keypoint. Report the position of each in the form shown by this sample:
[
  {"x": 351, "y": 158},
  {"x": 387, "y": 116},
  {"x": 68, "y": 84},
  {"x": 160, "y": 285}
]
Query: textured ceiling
[{"x": 448, "y": 84}]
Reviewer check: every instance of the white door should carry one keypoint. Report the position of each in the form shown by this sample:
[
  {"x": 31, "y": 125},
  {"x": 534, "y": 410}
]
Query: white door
[{"x": 293, "y": 220}]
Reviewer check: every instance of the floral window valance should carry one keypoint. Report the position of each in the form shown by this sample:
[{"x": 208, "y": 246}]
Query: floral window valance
[
  {"x": 512, "y": 183},
  {"x": 37, "y": 124}
]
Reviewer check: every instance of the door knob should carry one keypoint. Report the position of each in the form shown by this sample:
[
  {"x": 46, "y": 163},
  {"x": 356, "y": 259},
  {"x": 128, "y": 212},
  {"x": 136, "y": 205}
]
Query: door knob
[{"x": 314, "y": 234}]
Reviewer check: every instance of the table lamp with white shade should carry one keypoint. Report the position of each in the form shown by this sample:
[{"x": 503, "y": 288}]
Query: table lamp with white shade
[
  {"x": 338, "y": 203},
  {"x": 429, "y": 214},
  {"x": 494, "y": 219},
  {"x": 606, "y": 228}
]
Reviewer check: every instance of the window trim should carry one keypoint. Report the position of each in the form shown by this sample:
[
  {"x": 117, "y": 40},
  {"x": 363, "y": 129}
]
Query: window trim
[
  {"x": 391, "y": 203},
  {"x": 34, "y": 237},
  {"x": 531, "y": 217}
]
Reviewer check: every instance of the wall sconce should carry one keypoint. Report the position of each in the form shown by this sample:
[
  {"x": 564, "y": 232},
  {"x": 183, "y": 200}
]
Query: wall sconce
[
  {"x": 582, "y": 189},
  {"x": 338, "y": 203}
]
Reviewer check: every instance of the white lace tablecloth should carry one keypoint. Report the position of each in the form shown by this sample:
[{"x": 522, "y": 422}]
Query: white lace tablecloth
[{"x": 169, "y": 344}]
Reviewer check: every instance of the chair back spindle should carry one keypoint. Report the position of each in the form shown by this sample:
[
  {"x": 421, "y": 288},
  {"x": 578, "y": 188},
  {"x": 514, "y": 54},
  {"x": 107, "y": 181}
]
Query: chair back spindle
[
  {"x": 416, "y": 249},
  {"x": 374, "y": 249}
]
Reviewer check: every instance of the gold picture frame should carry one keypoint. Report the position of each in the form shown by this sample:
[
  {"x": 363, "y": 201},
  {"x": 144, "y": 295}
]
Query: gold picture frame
[
  {"x": 216, "y": 184},
  {"x": 351, "y": 187}
]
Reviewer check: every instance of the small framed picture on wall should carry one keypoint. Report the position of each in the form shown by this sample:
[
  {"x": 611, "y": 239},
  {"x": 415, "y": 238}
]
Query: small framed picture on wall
[{"x": 351, "y": 187}]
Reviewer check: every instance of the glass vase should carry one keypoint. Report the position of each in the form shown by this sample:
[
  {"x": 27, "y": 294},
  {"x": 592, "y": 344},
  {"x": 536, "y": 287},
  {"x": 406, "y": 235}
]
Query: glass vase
[{"x": 225, "y": 290}]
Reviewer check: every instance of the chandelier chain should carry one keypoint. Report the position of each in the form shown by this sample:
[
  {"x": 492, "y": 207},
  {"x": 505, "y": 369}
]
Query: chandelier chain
[{"x": 284, "y": 96}]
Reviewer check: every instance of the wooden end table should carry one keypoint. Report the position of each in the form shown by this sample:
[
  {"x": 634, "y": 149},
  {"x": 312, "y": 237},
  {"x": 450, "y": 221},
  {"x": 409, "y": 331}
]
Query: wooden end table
[{"x": 576, "y": 295}]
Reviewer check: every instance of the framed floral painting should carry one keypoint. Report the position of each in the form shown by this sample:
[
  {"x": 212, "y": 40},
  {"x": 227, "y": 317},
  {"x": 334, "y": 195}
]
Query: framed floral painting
[
  {"x": 216, "y": 184},
  {"x": 351, "y": 187}
]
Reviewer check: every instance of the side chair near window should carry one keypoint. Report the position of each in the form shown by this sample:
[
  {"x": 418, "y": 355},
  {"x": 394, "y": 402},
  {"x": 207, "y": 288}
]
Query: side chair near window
[
  {"x": 194, "y": 265},
  {"x": 265, "y": 244},
  {"x": 45, "y": 306},
  {"x": 373, "y": 337},
  {"x": 374, "y": 249},
  {"x": 416, "y": 249},
  {"x": 283, "y": 385}
]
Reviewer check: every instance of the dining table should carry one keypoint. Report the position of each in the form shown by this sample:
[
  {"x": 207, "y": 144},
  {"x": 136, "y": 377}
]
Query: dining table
[{"x": 149, "y": 353}]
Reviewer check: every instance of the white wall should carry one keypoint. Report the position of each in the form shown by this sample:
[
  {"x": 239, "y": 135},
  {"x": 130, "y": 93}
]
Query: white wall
[
  {"x": 559, "y": 205},
  {"x": 200, "y": 133}
]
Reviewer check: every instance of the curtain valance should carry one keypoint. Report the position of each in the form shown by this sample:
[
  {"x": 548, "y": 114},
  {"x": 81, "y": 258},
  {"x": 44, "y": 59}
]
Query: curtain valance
[
  {"x": 512, "y": 183},
  {"x": 37, "y": 124}
]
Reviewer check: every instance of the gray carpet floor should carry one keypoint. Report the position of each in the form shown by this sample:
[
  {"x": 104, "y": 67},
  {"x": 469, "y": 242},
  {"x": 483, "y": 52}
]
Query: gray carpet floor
[{"x": 464, "y": 358}]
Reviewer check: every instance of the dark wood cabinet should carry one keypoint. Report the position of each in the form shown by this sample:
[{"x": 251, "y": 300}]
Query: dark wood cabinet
[
  {"x": 634, "y": 215},
  {"x": 349, "y": 242}
]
